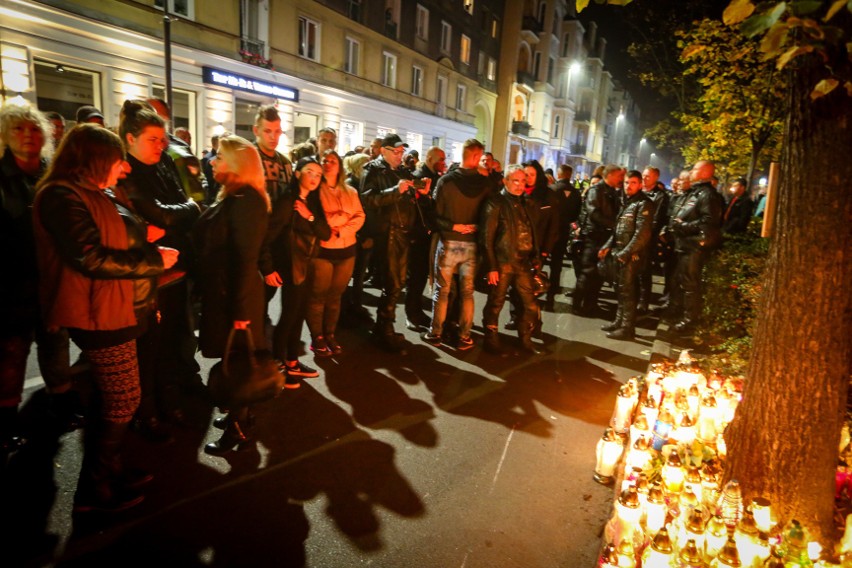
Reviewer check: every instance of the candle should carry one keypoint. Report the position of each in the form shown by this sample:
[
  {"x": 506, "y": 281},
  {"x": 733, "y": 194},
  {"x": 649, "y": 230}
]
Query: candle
[
  {"x": 673, "y": 474},
  {"x": 625, "y": 403},
  {"x": 626, "y": 555},
  {"x": 692, "y": 399},
  {"x": 650, "y": 409},
  {"x": 692, "y": 530},
  {"x": 762, "y": 512},
  {"x": 685, "y": 431},
  {"x": 638, "y": 429},
  {"x": 655, "y": 510},
  {"x": 716, "y": 536},
  {"x": 707, "y": 415},
  {"x": 746, "y": 537},
  {"x": 662, "y": 428},
  {"x": 627, "y": 516},
  {"x": 731, "y": 504},
  {"x": 846, "y": 541},
  {"x": 640, "y": 454},
  {"x": 659, "y": 554},
  {"x": 654, "y": 393},
  {"x": 689, "y": 556},
  {"x": 608, "y": 452},
  {"x": 729, "y": 556}
]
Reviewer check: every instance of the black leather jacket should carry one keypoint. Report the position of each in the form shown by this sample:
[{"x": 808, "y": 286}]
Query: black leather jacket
[
  {"x": 385, "y": 206},
  {"x": 632, "y": 228},
  {"x": 660, "y": 198},
  {"x": 696, "y": 224},
  {"x": 502, "y": 216},
  {"x": 601, "y": 212}
]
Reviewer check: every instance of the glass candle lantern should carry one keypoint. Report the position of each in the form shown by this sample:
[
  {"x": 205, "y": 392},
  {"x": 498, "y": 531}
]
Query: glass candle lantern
[
  {"x": 690, "y": 556},
  {"x": 650, "y": 409},
  {"x": 731, "y": 504},
  {"x": 638, "y": 429},
  {"x": 762, "y": 511},
  {"x": 662, "y": 429},
  {"x": 627, "y": 516},
  {"x": 707, "y": 415},
  {"x": 609, "y": 557},
  {"x": 693, "y": 398},
  {"x": 607, "y": 453},
  {"x": 673, "y": 474},
  {"x": 640, "y": 455},
  {"x": 715, "y": 537},
  {"x": 710, "y": 491},
  {"x": 625, "y": 403},
  {"x": 684, "y": 433},
  {"x": 728, "y": 557},
  {"x": 692, "y": 531},
  {"x": 654, "y": 393},
  {"x": 746, "y": 537},
  {"x": 659, "y": 553},
  {"x": 655, "y": 510},
  {"x": 626, "y": 554},
  {"x": 692, "y": 481}
]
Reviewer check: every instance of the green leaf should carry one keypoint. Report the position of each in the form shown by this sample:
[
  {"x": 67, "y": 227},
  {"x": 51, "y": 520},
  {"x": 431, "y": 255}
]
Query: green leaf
[
  {"x": 824, "y": 87},
  {"x": 835, "y": 7},
  {"x": 737, "y": 11},
  {"x": 759, "y": 23},
  {"x": 774, "y": 39},
  {"x": 803, "y": 7},
  {"x": 794, "y": 51}
]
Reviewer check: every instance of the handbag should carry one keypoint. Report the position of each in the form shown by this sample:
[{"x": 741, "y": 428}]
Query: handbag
[
  {"x": 244, "y": 376},
  {"x": 541, "y": 282}
]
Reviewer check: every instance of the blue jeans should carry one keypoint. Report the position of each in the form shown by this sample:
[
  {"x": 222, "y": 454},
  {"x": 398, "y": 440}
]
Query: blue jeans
[{"x": 452, "y": 256}]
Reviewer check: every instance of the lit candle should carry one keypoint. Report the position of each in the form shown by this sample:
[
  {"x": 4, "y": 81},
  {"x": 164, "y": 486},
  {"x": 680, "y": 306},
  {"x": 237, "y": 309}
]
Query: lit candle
[
  {"x": 685, "y": 431},
  {"x": 846, "y": 541},
  {"x": 627, "y": 516},
  {"x": 707, "y": 419},
  {"x": 746, "y": 537},
  {"x": 640, "y": 455},
  {"x": 655, "y": 392},
  {"x": 693, "y": 481},
  {"x": 716, "y": 536},
  {"x": 729, "y": 556},
  {"x": 721, "y": 446},
  {"x": 625, "y": 402},
  {"x": 626, "y": 555},
  {"x": 692, "y": 530},
  {"x": 608, "y": 452},
  {"x": 689, "y": 556},
  {"x": 655, "y": 510},
  {"x": 638, "y": 429},
  {"x": 731, "y": 504},
  {"x": 673, "y": 474},
  {"x": 650, "y": 409},
  {"x": 762, "y": 512},
  {"x": 710, "y": 485},
  {"x": 662, "y": 428},
  {"x": 659, "y": 554},
  {"x": 692, "y": 400},
  {"x": 723, "y": 404},
  {"x": 795, "y": 540},
  {"x": 609, "y": 557}
]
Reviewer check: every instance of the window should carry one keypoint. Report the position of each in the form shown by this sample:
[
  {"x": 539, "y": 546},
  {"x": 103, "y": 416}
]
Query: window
[
  {"x": 254, "y": 26},
  {"x": 353, "y": 10},
  {"x": 468, "y": 6},
  {"x": 542, "y": 10},
  {"x": 392, "y": 9},
  {"x": 491, "y": 71},
  {"x": 422, "y": 22},
  {"x": 480, "y": 68},
  {"x": 388, "y": 70},
  {"x": 308, "y": 39},
  {"x": 461, "y": 92},
  {"x": 555, "y": 23},
  {"x": 551, "y": 63},
  {"x": 350, "y": 135},
  {"x": 62, "y": 88},
  {"x": 556, "y": 126},
  {"x": 495, "y": 27},
  {"x": 416, "y": 81},
  {"x": 415, "y": 142},
  {"x": 566, "y": 45},
  {"x": 352, "y": 57},
  {"x": 446, "y": 36},
  {"x": 185, "y": 8},
  {"x": 183, "y": 109},
  {"x": 465, "y": 50},
  {"x": 536, "y": 64},
  {"x": 441, "y": 94}
]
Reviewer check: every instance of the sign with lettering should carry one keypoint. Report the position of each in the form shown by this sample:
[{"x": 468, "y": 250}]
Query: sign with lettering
[{"x": 221, "y": 78}]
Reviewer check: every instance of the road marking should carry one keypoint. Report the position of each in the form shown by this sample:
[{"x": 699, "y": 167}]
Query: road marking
[{"x": 502, "y": 459}]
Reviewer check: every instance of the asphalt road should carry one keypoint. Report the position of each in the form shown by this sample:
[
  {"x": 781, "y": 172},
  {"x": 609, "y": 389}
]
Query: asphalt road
[{"x": 434, "y": 458}]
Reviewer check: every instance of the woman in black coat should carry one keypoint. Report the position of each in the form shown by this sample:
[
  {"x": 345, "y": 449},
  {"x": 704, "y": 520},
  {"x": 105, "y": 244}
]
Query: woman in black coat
[{"x": 229, "y": 237}]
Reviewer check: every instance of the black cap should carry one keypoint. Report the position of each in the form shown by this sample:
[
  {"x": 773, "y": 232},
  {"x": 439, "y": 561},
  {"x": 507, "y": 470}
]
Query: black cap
[
  {"x": 393, "y": 141},
  {"x": 87, "y": 112}
]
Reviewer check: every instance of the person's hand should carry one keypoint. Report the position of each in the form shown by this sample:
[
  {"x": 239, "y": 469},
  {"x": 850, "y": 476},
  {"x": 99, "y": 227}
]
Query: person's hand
[
  {"x": 425, "y": 189},
  {"x": 302, "y": 209},
  {"x": 155, "y": 233},
  {"x": 404, "y": 185},
  {"x": 493, "y": 278},
  {"x": 170, "y": 256},
  {"x": 602, "y": 253},
  {"x": 238, "y": 324},
  {"x": 273, "y": 279},
  {"x": 126, "y": 168}
]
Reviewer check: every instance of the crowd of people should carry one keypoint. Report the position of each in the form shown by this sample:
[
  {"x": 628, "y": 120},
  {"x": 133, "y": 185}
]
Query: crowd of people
[{"x": 124, "y": 242}]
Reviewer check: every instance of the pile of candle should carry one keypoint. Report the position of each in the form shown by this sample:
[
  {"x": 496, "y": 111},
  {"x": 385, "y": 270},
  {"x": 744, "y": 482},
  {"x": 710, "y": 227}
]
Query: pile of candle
[{"x": 667, "y": 431}]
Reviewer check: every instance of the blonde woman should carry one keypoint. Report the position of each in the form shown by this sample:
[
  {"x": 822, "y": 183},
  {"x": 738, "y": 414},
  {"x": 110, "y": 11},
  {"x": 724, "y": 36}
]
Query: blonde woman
[
  {"x": 332, "y": 267},
  {"x": 229, "y": 236}
]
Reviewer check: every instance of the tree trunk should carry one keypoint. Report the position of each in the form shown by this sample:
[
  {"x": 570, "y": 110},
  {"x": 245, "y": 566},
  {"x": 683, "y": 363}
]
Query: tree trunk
[{"x": 783, "y": 442}]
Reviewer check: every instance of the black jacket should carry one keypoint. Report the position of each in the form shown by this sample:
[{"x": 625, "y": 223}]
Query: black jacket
[
  {"x": 633, "y": 228},
  {"x": 737, "y": 216},
  {"x": 500, "y": 226},
  {"x": 696, "y": 224},
  {"x": 547, "y": 225},
  {"x": 458, "y": 199},
  {"x": 660, "y": 199},
  {"x": 601, "y": 211},
  {"x": 568, "y": 205},
  {"x": 384, "y": 205}
]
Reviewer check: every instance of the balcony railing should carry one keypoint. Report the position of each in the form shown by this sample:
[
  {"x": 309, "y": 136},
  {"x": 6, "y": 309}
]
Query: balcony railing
[
  {"x": 253, "y": 46},
  {"x": 526, "y": 79},
  {"x": 521, "y": 127},
  {"x": 578, "y": 149},
  {"x": 532, "y": 24}
]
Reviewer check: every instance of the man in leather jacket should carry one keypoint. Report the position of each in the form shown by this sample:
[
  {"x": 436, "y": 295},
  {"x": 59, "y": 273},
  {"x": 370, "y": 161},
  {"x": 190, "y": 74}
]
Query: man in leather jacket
[
  {"x": 655, "y": 190},
  {"x": 508, "y": 229},
  {"x": 601, "y": 211},
  {"x": 389, "y": 197},
  {"x": 696, "y": 228},
  {"x": 629, "y": 247},
  {"x": 569, "y": 202}
]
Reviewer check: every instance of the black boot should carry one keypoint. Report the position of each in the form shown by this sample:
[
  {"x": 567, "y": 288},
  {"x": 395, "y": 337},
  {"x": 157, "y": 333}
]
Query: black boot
[
  {"x": 617, "y": 322},
  {"x": 627, "y": 330},
  {"x": 386, "y": 338},
  {"x": 626, "y": 333},
  {"x": 492, "y": 341},
  {"x": 10, "y": 435},
  {"x": 691, "y": 313},
  {"x": 233, "y": 438},
  {"x": 102, "y": 486},
  {"x": 525, "y": 335}
]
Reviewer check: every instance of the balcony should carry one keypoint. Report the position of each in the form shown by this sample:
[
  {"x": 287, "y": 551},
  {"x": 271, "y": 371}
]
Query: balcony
[
  {"x": 527, "y": 79},
  {"x": 253, "y": 46},
  {"x": 578, "y": 149},
  {"x": 520, "y": 127},
  {"x": 583, "y": 116},
  {"x": 530, "y": 29}
]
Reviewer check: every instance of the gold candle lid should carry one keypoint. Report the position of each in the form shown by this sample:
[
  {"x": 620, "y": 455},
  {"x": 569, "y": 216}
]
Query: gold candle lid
[
  {"x": 709, "y": 400},
  {"x": 674, "y": 460},
  {"x": 693, "y": 474},
  {"x": 686, "y": 421},
  {"x": 662, "y": 542},
  {"x": 747, "y": 524},
  {"x": 690, "y": 554},
  {"x": 716, "y": 526},
  {"x": 609, "y": 435},
  {"x": 730, "y": 555},
  {"x": 641, "y": 422},
  {"x": 655, "y": 494},
  {"x": 695, "y": 523},
  {"x": 629, "y": 497}
]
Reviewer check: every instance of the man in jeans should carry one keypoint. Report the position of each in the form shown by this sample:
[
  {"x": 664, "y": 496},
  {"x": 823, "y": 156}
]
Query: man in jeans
[{"x": 458, "y": 197}]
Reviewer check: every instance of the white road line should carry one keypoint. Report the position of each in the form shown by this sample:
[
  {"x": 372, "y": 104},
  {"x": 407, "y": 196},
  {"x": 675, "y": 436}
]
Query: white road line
[{"x": 502, "y": 458}]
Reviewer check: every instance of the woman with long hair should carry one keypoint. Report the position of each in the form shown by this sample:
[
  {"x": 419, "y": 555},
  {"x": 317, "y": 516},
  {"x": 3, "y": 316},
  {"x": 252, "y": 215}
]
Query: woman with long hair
[
  {"x": 229, "y": 236},
  {"x": 97, "y": 277},
  {"x": 296, "y": 227},
  {"x": 332, "y": 267}
]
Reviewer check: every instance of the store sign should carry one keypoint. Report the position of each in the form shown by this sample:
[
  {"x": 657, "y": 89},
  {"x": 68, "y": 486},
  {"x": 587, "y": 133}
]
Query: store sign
[{"x": 233, "y": 81}]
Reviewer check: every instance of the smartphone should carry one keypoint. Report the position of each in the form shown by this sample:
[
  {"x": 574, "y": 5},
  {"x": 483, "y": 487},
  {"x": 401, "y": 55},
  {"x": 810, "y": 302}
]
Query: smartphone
[{"x": 418, "y": 183}]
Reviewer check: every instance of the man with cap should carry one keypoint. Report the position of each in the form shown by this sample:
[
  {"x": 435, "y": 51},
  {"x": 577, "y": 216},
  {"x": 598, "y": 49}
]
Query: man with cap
[
  {"x": 88, "y": 113},
  {"x": 395, "y": 210}
]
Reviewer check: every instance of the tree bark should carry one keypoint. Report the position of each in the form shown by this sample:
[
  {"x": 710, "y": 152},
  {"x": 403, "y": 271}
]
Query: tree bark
[{"x": 783, "y": 442}]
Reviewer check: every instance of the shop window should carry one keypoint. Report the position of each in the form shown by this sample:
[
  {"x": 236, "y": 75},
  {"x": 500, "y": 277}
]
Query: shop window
[
  {"x": 184, "y": 8},
  {"x": 351, "y": 134},
  {"x": 64, "y": 89},
  {"x": 183, "y": 107},
  {"x": 415, "y": 142},
  {"x": 304, "y": 127}
]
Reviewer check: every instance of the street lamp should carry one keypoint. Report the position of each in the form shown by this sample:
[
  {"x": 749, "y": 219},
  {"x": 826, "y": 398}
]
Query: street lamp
[{"x": 573, "y": 68}]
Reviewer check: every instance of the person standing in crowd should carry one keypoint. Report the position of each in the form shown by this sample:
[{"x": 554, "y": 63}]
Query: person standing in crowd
[
  {"x": 568, "y": 204},
  {"x": 629, "y": 245},
  {"x": 184, "y": 135},
  {"x": 58, "y": 122},
  {"x": 354, "y": 308},
  {"x": 207, "y": 168},
  {"x": 296, "y": 228},
  {"x": 187, "y": 164},
  {"x": 88, "y": 113},
  {"x": 432, "y": 169},
  {"x": 167, "y": 350},
  {"x": 738, "y": 209},
  {"x": 326, "y": 140},
  {"x": 671, "y": 300},
  {"x": 660, "y": 199},
  {"x": 510, "y": 253},
  {"x": 697, "y": 232},
  {"x": 230, "y": 235},
  {"x": 458, "y": 197},
  {"x": 277, "y": 169},
  {"x": 389, "y": 196},
  {"x": 24, "y": 142},
  {"x": 376, "y": 148},
  {"x": 538, "y": 191},
  {"x": 601, "y": 210},
  {"x": 332, "y": 268},
  {"x": 91, "y": 249}
]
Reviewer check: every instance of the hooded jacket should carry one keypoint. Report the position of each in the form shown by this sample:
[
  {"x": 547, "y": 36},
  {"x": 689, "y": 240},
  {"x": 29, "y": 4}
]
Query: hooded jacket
[{"x": 458, "y": 197}]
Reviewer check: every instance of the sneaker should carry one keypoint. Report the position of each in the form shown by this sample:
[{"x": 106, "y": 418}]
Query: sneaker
[
  {"x": 464, "y": 343},
  {"x": 320, "y": 347},
  {"x": 291, "y": 382},
  {"x": 333, "y": 345},
  {"x": 432, "y": 339},
  {"x": 299, "y": 370}
]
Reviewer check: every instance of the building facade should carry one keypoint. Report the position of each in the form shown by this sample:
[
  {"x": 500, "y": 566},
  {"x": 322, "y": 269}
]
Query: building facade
[{"x": 425, "y": 70}]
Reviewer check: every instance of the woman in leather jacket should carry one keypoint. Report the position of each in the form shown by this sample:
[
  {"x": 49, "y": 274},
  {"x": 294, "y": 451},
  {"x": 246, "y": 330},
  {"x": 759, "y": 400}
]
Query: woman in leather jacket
[
  {"x": 91, "y": 250},
  {"x": 296, "y": 227}
]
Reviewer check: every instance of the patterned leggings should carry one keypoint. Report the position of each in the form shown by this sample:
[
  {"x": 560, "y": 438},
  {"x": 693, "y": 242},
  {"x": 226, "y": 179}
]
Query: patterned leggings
[{"x": 116, "y": 372}]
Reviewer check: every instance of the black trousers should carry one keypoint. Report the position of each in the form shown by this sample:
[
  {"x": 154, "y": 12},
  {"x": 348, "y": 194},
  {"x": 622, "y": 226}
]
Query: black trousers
[
  {"x": 690, "y": 264},
  {"x": 519, "y": 277},
  {"x": 589, "y": 284},
  {"x": 627, "y": 288},
  {"x": 418, "y": 273},
  {"x": 287, "y": 337},
  {"x": 557, "y": 258},
  {"x": 396, "y": 270}
]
